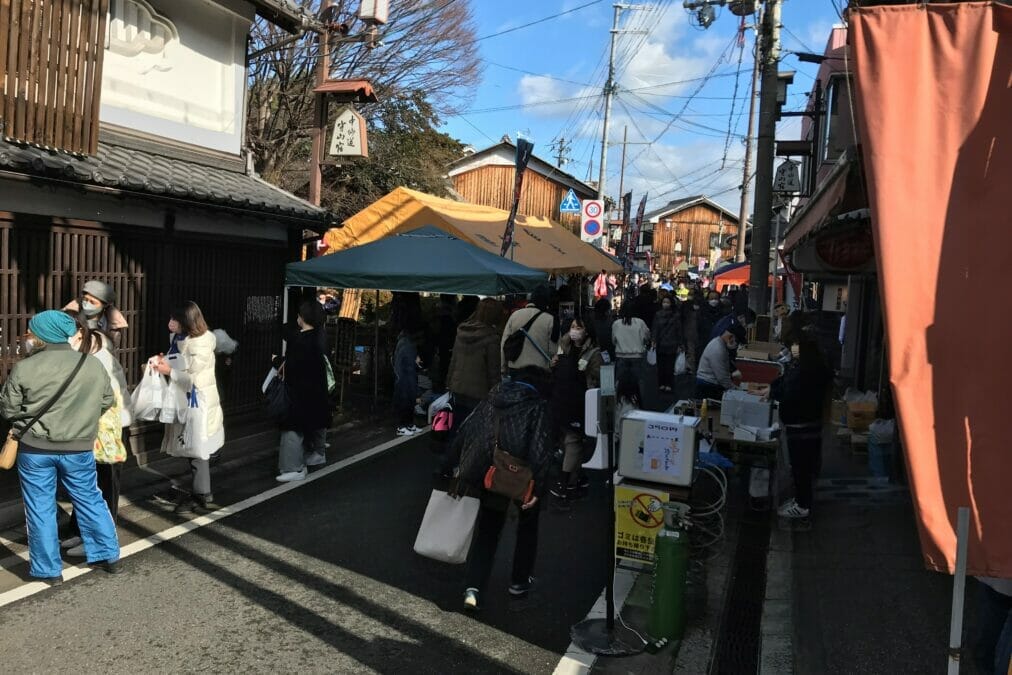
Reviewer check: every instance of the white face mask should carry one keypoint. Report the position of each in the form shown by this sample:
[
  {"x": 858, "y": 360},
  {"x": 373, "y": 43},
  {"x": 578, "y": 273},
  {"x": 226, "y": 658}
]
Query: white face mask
[
  {"x": 90, "y": 308},
  {"x": 795, "y": 351},
  {"x": 714, "y": 303},
  {"x": 577, "y": 335}
]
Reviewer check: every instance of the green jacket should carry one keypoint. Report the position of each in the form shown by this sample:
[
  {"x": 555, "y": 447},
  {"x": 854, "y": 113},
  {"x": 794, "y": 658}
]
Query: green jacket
[{"x": 71, "y": 425}]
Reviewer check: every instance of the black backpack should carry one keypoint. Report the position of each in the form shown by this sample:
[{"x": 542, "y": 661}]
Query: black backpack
[{"x": 513, "y": 346}]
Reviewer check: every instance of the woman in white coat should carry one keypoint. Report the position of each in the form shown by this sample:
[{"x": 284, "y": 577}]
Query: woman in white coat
[{"x": 198, "y": 431}]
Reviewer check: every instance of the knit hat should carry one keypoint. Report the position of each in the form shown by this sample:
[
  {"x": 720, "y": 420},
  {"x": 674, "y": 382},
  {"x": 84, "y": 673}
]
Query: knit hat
[
  {"x": 53, "y": 326},
  {"x": 100, "y": 290}
]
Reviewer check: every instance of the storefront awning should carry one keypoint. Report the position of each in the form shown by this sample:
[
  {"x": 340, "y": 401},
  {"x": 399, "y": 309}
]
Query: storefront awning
[
  {"x": 823, "y": 203},
  {"x": 539, "y": 243}
]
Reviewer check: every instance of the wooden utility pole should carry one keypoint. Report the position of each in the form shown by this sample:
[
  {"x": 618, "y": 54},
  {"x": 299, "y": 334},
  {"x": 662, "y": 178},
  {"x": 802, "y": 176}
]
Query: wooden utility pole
[{"x": 747, "y": 173}]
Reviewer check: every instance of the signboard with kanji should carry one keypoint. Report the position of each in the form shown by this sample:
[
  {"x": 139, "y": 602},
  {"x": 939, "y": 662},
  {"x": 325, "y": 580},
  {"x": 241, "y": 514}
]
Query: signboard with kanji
[
  {"x": 348, "y": 137},
  {"x": 639, "y": 516}
]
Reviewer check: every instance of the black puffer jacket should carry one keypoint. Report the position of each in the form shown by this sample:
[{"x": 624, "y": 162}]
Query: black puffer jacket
[{"x": 525, "y": 431}]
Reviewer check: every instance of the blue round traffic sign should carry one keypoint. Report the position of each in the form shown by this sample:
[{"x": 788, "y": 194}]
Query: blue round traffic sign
[{"x": 592, "y": 228}]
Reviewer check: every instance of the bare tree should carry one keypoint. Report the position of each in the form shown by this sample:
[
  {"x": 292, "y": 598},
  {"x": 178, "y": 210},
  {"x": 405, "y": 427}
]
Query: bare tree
[{"x": 427, "y": 48}]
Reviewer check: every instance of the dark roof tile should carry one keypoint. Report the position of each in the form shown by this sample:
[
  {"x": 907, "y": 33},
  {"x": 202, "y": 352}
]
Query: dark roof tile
[{"x": 119, "y": 167}]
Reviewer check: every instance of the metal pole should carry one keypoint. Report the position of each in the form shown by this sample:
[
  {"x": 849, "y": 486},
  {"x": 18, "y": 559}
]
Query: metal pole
[
  {"x": 609, "y": 88},
  {"x": 958, "y": 590},
  {"x": 747, "y": 173},
  {"x": 375, "y": 355},
  {"x": 759, "y": 275}
]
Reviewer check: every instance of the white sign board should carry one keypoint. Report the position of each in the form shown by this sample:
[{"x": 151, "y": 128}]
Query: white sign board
[
  {"x": 663, "y": 449},
  {"x": 348, "y": 137}
]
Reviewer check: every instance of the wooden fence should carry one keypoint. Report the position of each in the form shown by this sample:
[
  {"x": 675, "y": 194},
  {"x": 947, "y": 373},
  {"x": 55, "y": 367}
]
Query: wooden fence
[{"x": 51, "y": 55}]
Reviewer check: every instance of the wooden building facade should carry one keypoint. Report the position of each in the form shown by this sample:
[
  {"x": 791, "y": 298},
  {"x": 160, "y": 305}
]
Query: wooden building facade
[
  {"x": 486, "y": 177},
  {"x": 685, "y": 230}
]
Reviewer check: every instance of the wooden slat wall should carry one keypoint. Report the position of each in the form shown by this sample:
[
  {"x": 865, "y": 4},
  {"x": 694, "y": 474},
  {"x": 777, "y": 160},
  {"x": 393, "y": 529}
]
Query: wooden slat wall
[
  {"x": 51, "y": 54},
  {"x": 693, "y": 226},
  {"x": 44, "y": 263},
  {"x": 539, "y": 196}
]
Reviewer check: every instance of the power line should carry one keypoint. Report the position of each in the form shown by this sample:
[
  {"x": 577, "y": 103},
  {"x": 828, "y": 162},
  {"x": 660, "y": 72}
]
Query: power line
[
  {"x": 471, "y": 124},
  {"x": 529, "y": 72},
  {"x": 533, "y": 23}
]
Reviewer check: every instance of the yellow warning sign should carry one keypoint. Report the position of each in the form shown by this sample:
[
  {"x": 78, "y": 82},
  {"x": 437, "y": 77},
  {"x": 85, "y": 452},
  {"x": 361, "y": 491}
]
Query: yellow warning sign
[{"x": 639, "y": 514}]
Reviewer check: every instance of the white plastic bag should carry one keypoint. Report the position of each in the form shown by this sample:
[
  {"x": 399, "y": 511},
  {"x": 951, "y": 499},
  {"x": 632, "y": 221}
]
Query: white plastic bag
[
  {"x": 652, "y": 357},
  {"x": 147, "y": 398},
  {"x": 447, "y": 528},
  {"x": 172, "y": 410},
  {"x": 681, "y": 365}
]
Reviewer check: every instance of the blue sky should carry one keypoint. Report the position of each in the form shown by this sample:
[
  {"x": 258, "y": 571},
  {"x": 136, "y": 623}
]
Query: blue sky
[{"x": 662, "y": 69}]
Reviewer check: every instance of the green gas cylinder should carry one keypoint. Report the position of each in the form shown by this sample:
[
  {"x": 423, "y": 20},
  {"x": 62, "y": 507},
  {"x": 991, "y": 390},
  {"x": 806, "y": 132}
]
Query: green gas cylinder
[{"x": 667, "y": 601}]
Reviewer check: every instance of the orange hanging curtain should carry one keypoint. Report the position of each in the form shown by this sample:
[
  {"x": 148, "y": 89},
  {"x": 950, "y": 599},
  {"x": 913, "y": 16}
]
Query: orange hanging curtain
[{"x": 933, "y": 105}]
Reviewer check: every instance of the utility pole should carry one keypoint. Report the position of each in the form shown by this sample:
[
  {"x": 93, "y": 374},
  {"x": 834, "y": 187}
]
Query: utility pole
[
  {"x": 747, "y": 174},
  {"x": 609, "y": 89},
  {"x": 621, "y": 175},
  {"x": 768, "y": 108},
  {"x": 562, "y": 147}
]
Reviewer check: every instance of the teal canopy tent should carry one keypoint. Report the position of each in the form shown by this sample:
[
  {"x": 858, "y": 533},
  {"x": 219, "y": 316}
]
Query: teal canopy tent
[{"x": 426, "y": 259}]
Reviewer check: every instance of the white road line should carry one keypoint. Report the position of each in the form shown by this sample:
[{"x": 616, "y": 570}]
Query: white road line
[
  {"x": 69, "y": 573},
  {"x": 578, "y": 662}
]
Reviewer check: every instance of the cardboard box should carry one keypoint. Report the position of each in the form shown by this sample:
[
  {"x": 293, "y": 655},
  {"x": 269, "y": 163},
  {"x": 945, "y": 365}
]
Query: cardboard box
[{"x": 860, "y": 415}]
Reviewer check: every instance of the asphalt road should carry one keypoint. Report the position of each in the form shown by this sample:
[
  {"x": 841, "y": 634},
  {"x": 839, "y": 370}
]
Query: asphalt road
[{"x": 319, "y": 579}]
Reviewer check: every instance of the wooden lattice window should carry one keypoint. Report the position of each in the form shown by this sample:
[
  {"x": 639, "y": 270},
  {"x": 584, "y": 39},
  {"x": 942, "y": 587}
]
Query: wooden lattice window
[{"x": 51, "y": 71}]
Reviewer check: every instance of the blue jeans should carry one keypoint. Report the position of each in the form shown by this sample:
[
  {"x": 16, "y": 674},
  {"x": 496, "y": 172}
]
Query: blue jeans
[{"x": 76, "y": 471}]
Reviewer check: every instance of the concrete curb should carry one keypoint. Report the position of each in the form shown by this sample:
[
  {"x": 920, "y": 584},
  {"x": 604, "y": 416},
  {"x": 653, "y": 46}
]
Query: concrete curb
[{"x": 777, "y": 638}]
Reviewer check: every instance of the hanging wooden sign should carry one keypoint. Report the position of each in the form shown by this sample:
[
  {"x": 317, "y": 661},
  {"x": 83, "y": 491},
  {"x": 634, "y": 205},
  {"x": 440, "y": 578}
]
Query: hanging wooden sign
[{"x": 349, "y": 138}]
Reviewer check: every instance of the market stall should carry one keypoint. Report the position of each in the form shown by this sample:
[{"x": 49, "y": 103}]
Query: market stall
[{"x": 539, "y": 243}]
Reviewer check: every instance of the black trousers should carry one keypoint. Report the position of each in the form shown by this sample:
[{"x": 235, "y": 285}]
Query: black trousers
[
  {"x": 486, "y": 541},
  {"x": 108, "y": 483},
  {"x": 805, "y": 449},
  {"x": 666, "y": 369}
]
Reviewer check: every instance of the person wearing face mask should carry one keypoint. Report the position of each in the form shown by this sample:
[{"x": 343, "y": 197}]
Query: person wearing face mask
[
  {"x": 668, "y": 339},
  {"x": 713, "y": 377},
  {"x": 710, "y": 312},
  {"x": 802, "y": 392},
  {"x": 98, "y": 305},
  {"x": 189, "y": 365},
  {"x": 54, "y": 399},
  {"x": 576, "y": 368},
  {"x": 631, "y": 337}
]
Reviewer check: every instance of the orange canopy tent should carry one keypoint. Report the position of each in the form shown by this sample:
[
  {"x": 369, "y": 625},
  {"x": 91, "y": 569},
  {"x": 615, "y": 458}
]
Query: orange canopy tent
[
  {"x": 738, "y": 275},
  {"x": 539, "y": 243}
]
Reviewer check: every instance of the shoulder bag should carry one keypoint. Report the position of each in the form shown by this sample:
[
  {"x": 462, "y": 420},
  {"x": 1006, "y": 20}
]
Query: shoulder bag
[
  {"x": 9, "y": 453},
  {"x": 513, "y": 347},
  {"x": 509, "y": 476}
]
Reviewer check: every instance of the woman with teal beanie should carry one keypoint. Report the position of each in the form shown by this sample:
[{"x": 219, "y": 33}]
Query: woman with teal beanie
[{"x": 53, "y": 399}]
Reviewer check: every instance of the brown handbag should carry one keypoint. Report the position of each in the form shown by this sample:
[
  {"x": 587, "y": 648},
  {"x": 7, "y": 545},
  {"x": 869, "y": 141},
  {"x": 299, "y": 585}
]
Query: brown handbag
[
  {"x": 9, "y": 453},
  {"x": 509, "y": 476}
]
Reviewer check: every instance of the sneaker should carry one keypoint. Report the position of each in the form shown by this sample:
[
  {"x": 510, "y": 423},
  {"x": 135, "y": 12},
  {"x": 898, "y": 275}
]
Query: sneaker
[
  {"x": 521, "y": 589},
  {"x": 185, "y": 506},
  {"x": 794, "y": 511},
  {"x": 70, "y": 542},
  {"x": 786, "y": 506},
  {"x": 559, "y": 490},
  {"x": 76, "y": 551},
  {"x": 406, "y": 431},
  {"x": 471, "y": 598},
  {"x": 290, "y": 476},
  {"x": 206, "y": 502},
  {"x": 51, "y": 581},
  {"x": 315, "y": 459}
]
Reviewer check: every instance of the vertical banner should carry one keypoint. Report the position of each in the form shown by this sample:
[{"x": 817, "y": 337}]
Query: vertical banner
[
  {"x": 524, "y": 151},
  {"x": 634, "y": 235},
  {"x": 623, "y": 245},
  {"x": 935, "y": 137}
]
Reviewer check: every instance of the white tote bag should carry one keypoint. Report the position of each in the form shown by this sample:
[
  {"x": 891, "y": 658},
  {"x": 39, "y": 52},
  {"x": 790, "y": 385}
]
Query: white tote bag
[
  {"x": 681, "y": 365},
  {"x": 447, "y": 528},
  {"x": 652, "y": 357},
  {"x": 146, "y": 399}
]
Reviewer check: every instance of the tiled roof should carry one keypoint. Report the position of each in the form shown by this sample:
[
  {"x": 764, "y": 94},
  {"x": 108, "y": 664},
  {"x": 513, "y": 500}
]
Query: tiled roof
[{"x": 122, "y": 168}]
